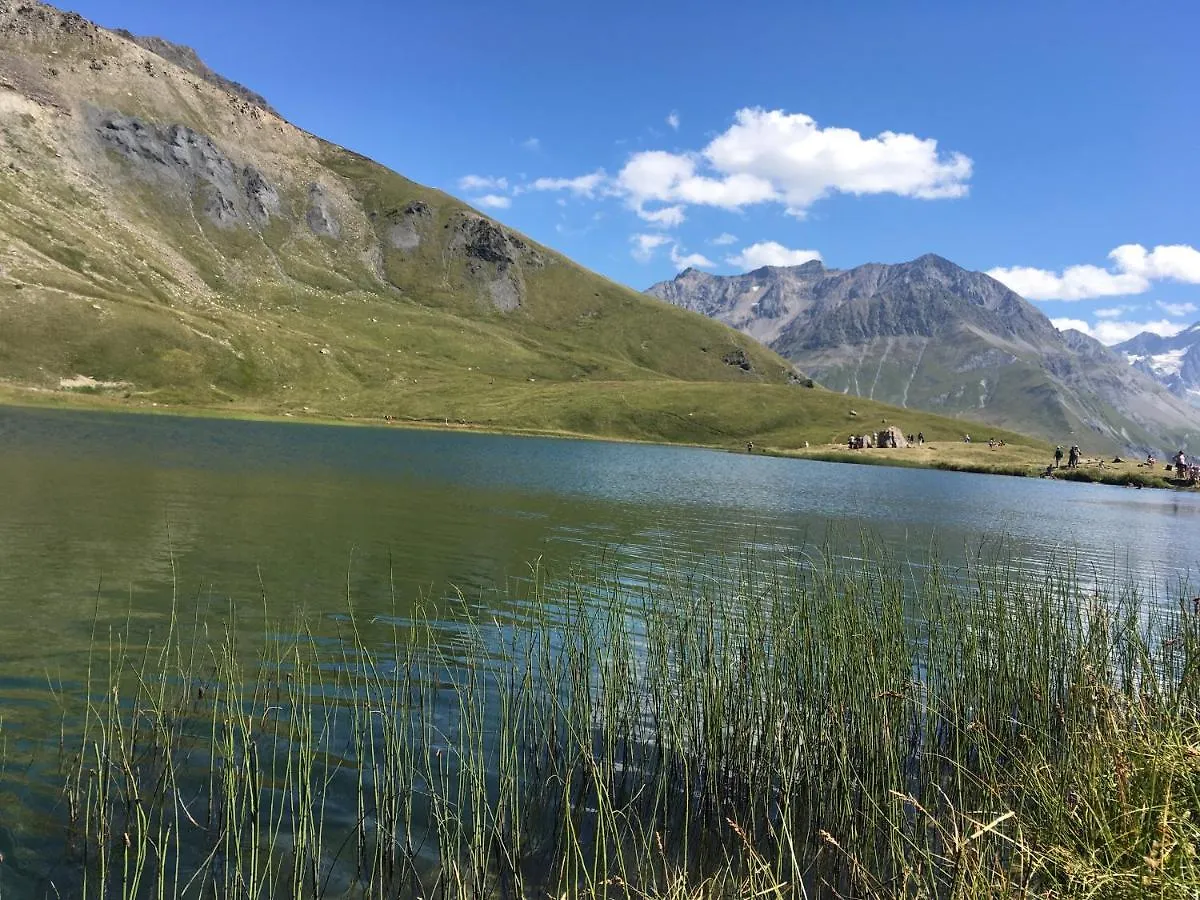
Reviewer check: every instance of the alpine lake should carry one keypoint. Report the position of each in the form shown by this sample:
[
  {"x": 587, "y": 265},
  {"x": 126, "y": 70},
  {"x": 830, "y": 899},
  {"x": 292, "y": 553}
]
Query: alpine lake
[{"x": 117, "y": 530}]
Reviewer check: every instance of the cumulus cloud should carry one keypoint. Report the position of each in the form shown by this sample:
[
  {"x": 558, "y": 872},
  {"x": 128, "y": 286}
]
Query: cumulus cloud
[
  {"x": 1111, "y": 312},
  {"x": 724, "y": 240},
  {"x": 493, "y": 201},
  {"x": 1075, "y": 282},
  {"x": 482, "y": 183},
  {"x": 787, "y": 158},
  {"x": 1175, "y": 309},
  {"x": 1176, "y": 262},
  {"x": 665, "y": 217},
  {"x": 772, "y": 156},
  {"x": 644, "y": 245},
  {"x": 1134, "y": 269},
  {"x": 531, "y": 143},
  {"x": 771, "y": 253},
  {"x": 683, "y": 260},
  {"x": 1114, "y": 332},
  {"x": 581, "y": 186}
]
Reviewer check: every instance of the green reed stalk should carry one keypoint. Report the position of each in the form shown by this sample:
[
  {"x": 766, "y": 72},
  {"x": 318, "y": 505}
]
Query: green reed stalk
[{"x": 839, "y": 726}]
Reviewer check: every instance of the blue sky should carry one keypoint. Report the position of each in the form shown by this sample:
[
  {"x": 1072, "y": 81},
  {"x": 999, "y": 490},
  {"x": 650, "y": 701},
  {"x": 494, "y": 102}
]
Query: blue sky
[{"x": 1054, "y": 144}]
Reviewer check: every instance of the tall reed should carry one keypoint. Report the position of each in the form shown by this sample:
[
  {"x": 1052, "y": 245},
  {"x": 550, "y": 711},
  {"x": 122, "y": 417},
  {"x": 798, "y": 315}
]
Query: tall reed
[{"x": 803, "y": 726}]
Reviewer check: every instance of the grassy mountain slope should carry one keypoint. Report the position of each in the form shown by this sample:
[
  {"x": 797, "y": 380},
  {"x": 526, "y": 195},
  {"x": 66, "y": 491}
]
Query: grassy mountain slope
[{"x": 166, "y": 239}]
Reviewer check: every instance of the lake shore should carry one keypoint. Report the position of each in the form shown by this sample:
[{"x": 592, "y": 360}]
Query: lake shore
[{"x": 1010, "y": 459}]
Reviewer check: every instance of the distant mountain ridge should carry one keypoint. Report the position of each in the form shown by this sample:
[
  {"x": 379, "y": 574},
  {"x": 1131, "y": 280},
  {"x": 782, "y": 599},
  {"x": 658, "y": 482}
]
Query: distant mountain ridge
[
  {"x": 1173, "y": 362},
  {"x": 928, "y": 334}
]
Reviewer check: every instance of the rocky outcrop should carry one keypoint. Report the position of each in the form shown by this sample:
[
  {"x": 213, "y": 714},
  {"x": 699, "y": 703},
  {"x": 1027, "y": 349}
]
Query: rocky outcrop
[
  {"x": 407, "y": 227},
  {"x": 263, "y": 198},
  {"x": 319, "y": 216},
  {"x": 30, "y": 20},
  {"x": 228, "y": 195},
  {"x": 738, "y": 359},
  {"x": 495, "y": 257}
]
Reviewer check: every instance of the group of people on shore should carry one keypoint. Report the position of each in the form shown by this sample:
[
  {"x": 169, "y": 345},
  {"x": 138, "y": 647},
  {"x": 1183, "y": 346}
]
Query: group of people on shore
[
  {"x": 1185, "y": 471},
  {"x": 868, "y": 441},
  {"x": 1073, "y": 457}
]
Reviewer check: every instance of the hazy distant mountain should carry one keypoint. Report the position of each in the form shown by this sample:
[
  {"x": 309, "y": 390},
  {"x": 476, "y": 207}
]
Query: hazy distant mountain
[
  {"x": 1172, "y": 361},
  {"x": 931, "y": 335}
]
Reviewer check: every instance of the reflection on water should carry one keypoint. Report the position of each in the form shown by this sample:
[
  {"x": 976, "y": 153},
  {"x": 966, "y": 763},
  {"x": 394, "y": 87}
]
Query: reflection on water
[
  {"x": 117, "y": 514},
  {"x": 108, "y": 519}
]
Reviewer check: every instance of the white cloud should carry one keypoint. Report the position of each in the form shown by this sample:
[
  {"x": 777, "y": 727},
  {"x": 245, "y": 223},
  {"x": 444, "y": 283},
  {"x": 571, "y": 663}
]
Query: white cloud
[
  {"x": 1111, "y": 312},
  {"x": 531, "y": 143},
  {"x": 667, "y": 217},
  {"x": 673, "y": 120},
  {"x": 1177, "y": 309},
  {"x": 1069, "y": 324},
  {"x": 655, "y": 175},
  {"x": 1114, "y": 332},
  {"x": 787, "y": 158},
  {"x": 1177, "y": 262},
  {"x": 482, "y": 183},
  {"x": 581, "y": 186},
  {"x": 493, "y": 201},
  {"x": 644, "y": 245},
  {"x": 724, "y": 240},
  {"x": 771, "y": 253},
  {"x": 1134, "y": 269},
  {"x": 1075, "y": 282},
  {"x": 690, "y": 260}
]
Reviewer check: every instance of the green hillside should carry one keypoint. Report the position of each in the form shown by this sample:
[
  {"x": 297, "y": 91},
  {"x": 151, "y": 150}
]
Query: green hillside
[{"x": 167, "y": 242}]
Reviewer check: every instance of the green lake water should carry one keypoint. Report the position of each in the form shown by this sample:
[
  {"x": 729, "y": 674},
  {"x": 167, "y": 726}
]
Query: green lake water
[{"x": 110, "y": 519}]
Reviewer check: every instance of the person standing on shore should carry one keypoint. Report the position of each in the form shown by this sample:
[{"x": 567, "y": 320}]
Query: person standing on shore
[
  {"x": 1058, "y": 456},
  {"x": 1073, "y": 457}
]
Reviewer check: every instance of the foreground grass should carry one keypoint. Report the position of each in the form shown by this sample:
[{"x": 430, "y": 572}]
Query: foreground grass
[{"x": 779, "y": 727}]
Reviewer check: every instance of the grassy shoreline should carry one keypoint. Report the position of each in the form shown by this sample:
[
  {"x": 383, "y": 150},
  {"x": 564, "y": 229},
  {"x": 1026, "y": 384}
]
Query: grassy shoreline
[
  {"x": 794, "y": 727},
  {"x": 1027, "y": 458},
  {"x": 1019, "y": 462}
]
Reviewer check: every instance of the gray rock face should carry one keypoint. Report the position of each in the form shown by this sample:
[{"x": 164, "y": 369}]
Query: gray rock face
[
  {"x": 264, "y": 199},
  {"x": 229, "y": 196},
  {"x": 929, "y": 334},
  {"x": 809, "y": 306},
  {"x": 319, "y": 216},
  {"x": 408, "y": 226},
  {"x": 1173, "y": 362},
  {"x": 495, "y": 257}
]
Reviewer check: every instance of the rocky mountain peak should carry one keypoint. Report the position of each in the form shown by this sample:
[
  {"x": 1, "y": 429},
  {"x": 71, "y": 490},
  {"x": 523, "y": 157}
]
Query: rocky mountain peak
[
  {"x": 691, "y": 274},
  {"x": 1173, "y": 362},
  {"x": 933, "y": 261},
  {"x": 930, "y": 334}
]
